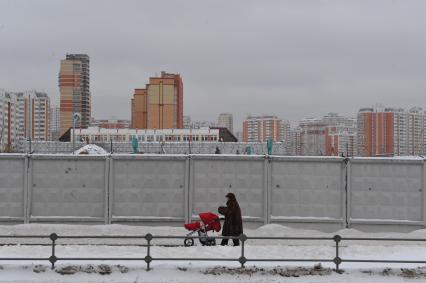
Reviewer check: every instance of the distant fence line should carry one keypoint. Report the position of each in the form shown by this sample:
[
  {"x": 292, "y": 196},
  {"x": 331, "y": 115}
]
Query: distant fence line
[
  {"x": 55, "y": 147},
  {"x": 324, "y": 192}
]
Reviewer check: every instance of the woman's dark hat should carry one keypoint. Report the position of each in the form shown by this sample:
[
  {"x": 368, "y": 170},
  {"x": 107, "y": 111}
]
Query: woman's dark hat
[{"x": 230, "y": 195}]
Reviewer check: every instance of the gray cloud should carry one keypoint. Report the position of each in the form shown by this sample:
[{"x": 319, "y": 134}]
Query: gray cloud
[{"x": 289, "y": 58}]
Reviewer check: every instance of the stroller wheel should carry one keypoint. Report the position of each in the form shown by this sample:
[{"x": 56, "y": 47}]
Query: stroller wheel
[{"x": 188, "y": 242}]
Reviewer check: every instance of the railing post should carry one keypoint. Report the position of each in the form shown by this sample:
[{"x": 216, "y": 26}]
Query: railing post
[
  {"x": 190, "y": 187},
  {"x": 148, "y": 258},
  {"x": 348, "y": 190},
  {"x": 186, "y": 190},
  {"x": 337, "y": 260},
  {"x": 423, "y": 182},
  {"x": 106, "y": 191},
  {"x": 29, "y": 188},
  {"x": 242, "y": 260},
  {"x": 111, "y": 178},
  {"x": 53, "y": 258},
  {"x": 25, "y": 178},
  {"x": 267, "y": 188}
]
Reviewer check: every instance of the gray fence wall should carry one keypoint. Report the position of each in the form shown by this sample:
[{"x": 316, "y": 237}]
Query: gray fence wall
[
  {"x": 54, "y": 147},
  {"x": 324, "y": 193}
]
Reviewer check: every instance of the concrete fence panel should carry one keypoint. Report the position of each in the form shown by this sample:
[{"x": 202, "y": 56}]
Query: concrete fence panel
[
  {"x": 12, "y": 187},
  {"x": 148, "y": 188},
  {"x": 386, "y": 191},
  {"x": 213, "y": 176},
  {"x": 307, "y": 190},
  {"x": 68, "y": 188},
  {"x": 316, "y": 192}
]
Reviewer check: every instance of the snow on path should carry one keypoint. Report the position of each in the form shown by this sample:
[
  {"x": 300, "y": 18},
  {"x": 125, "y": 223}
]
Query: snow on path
[
  {"x": 167, "y": 271},
  {"x": 117, "y": 229}
]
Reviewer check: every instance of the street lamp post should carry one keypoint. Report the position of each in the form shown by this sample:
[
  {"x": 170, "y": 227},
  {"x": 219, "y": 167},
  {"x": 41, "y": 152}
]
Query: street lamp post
[{"x": 76, "y": 118}]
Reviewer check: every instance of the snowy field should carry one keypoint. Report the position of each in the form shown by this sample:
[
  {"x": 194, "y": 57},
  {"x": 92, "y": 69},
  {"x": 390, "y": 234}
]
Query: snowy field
[{"x": 174, "y": 271}]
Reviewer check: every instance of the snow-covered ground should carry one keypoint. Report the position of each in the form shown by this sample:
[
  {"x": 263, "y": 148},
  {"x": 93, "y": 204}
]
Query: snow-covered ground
[{"x": 185, "y": 271}]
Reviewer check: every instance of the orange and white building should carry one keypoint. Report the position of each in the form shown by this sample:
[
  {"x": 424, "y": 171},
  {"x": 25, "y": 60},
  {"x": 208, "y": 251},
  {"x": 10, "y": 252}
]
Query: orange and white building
[
  {"x": 262, "y": 128},
  {"x": 74, "y": 87},
  {"x": 391, "y": 131}
]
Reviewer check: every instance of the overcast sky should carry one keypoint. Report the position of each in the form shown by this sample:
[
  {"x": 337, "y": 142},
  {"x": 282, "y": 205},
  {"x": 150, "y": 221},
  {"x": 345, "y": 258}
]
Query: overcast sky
[{"x": 294, "y": 59}]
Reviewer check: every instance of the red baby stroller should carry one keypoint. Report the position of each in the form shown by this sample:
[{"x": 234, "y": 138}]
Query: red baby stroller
[{"x": 209, "y": 222}]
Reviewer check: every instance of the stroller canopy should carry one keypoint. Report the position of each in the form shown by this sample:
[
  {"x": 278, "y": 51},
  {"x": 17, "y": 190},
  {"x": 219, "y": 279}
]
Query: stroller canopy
[{"x": 210, "y": 219}]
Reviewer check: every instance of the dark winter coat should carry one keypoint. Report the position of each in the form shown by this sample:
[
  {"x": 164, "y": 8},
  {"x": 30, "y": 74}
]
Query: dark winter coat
[{"x": 233, "y": 225}]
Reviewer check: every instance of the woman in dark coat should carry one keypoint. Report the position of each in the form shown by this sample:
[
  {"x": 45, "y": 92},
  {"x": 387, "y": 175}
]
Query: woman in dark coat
[{"x": 233, "y": 225}]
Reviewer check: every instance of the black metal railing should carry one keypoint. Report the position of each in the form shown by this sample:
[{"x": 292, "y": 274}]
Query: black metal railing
[{"x": 242, "y": 259}]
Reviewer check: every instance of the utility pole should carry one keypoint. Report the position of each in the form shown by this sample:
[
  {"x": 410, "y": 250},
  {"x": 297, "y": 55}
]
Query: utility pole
[{"x": 76, "y": 118}]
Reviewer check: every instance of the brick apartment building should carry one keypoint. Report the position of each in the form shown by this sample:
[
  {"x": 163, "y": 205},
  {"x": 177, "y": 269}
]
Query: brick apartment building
[
  {"x": 160, "y": 104},
  {"x": 261, "y": 128},
  {"x": 74, "y": 87},
  {"x": 391, "y": 131}
]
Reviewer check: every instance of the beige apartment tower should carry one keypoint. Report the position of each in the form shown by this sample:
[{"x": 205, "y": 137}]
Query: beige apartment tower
[
  {"x": 160, "y": 104},
  {"x": 74, "y": 87}
]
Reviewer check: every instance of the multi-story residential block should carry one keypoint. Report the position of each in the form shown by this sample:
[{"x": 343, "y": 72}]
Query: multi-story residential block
[
  {"x": 340, "y": 141},
  {"x": 39, "y": 106},
  {"x": 8, "y": 120},
  {"x": 226, "y": 120},
  {"x": 416, "y": 128},
  {"x": 376, "y": 131},
  {"x": 312, "y": 137},
  {"x": 391, "y": 131},
  {"x": 74, "y": 87},
  {"x": 23, "y": 115},
  {"x": 139, "y": 102},
  {"x": 262, "y": 128},
  {"x": 54, "y": 123},
  {"x": 333, "y": 134},
  {"x": 160, "y": 104}
]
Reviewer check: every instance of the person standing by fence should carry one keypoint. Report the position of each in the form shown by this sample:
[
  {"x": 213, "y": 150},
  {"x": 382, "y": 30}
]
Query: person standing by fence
[{"x": 233, "y": 225}]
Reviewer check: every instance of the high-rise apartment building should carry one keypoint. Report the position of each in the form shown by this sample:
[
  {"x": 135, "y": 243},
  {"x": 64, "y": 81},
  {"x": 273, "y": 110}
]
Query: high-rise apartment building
[
  {"x": 139, "y": 119},
  {"x": 375, "y": 132},
  {"x": 416, "y": 131},
  {"x": 312, "y": 137},
  {"x": 38, "y": 123},
  {"x": 262, "y": 128},
  {"x": 333, "y": 134},
  {"x": 226, "y": 120},
  {"x": 23, "y": 115},
  {"x": 54, "y": 123},
  {"x": 160, "y": 104},
  {"x": 8, "y": 120},
  {"x": 33, "y": 115},
  {"x": 74, "y": 87},
  {"x": 340, "y": 141},
  {"x": 391, "y": 131}
]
